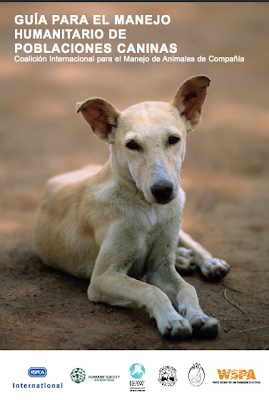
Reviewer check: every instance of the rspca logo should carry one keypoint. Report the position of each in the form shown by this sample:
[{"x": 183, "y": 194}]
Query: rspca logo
[{"x": 37, "y": 372}]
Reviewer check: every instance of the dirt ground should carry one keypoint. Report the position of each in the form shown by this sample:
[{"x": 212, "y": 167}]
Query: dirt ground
[{"x": 225, "y": 177}]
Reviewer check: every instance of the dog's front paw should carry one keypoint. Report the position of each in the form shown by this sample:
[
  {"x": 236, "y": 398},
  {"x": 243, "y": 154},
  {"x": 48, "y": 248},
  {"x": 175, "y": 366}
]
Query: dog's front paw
[
  {"x": 214, "y": 269},
  {"x": 185, "y": 260},
  {"x": 203, "y": 326},
  {"x": 174, "y": 326}
]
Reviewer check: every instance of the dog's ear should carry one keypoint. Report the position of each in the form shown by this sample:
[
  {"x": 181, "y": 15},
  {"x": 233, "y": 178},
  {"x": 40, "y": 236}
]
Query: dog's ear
[
  {"x": 189, "y": 99},
  {"x": 100, "y": 114}
]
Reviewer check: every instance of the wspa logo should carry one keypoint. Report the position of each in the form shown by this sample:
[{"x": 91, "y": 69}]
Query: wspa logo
[
  {"x": 236, "y": 374},
  {"x": 231, "y": 376}
]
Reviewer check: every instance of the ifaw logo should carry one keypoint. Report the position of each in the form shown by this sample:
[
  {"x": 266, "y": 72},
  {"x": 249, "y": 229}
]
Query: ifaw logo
[{"x": 236, "y": 374}]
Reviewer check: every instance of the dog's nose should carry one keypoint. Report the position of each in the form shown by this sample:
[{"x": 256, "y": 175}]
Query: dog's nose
[{"x": 162, "y": 191}]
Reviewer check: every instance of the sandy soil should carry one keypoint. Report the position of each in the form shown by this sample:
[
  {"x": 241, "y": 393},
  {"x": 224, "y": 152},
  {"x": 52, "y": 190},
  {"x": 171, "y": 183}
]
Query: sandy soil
[{"x": 225, "y": 176}]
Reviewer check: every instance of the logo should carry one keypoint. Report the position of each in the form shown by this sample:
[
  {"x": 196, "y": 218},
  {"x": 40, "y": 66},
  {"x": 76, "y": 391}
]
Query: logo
[
  {"x": 78, "y": 375},
  {"x": 37, "y": 372},
  {"x": 196, "y": 375},
  {"x": 167, "y": 376},
  {"x": 234, "y": 376},
  {"x": 104, "y": 378},
  {"x": 137, "y": 371}
]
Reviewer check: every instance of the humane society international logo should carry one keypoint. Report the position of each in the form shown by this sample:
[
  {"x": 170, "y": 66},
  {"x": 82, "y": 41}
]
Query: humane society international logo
[
  {"x": 78, "y": 375},
  {"x": 104, "y": 378}
]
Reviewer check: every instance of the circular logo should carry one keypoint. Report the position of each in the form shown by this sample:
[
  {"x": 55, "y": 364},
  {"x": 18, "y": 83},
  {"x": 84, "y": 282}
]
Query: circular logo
[
  {"x": 137, "y": 371},
  {"x": 78, "y": 375},
  {"x": 196, "y": 375},
  {"x": 167, "y": 376}
]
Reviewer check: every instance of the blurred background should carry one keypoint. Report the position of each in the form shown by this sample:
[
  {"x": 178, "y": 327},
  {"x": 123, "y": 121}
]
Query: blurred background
[{"x": 225, "y": 171}]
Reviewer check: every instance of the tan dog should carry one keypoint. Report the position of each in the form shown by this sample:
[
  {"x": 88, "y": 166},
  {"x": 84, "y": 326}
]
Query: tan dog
[{"x": 122, "y": 223}]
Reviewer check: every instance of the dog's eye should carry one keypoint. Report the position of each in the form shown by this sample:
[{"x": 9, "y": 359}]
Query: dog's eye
[
  {"x": 173, "y": 140},
  {"x": 132, "y": 145}
]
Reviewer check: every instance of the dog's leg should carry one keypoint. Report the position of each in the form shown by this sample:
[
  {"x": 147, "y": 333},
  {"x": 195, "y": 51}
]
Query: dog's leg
[
  {"x": 182, "y": 295},
  {"x": 110, "y": 284},
  {"x": 190, "y": 253}
]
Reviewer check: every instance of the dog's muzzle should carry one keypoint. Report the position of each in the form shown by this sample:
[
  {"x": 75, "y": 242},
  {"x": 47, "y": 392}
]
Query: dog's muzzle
[{"x": 162, "y": 191}]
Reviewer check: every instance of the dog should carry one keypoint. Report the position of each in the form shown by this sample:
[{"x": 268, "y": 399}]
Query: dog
[{"x": 120, "y": 227}]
